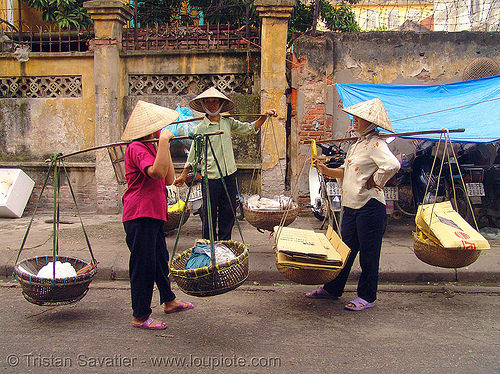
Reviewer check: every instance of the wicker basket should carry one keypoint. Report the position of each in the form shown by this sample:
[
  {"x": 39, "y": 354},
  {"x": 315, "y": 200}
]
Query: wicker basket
[
  {"x": 266, "y": 219},
  {"x": 306, "y": 276},
  {"x": 43, "y": 291},
  {"x": 206, "y": 282},
  {"x": 174, "y": 219},
  {"x": 435, "y": 255}
]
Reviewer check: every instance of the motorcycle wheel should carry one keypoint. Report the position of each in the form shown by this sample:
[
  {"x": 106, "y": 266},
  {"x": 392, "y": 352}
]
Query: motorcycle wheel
[
  {"x": 405, "y": 204},
  {"x": 240, "y": 215},
  {"x": 318, "y": 213},
  {"x": 495, "y": 220},
  {"x": 462, "y": 206}
]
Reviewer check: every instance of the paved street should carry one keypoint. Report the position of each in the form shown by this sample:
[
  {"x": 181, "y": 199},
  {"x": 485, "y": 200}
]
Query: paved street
[
  {"x": 258, "y": 329},
  {"x": 427, "y": 319}
]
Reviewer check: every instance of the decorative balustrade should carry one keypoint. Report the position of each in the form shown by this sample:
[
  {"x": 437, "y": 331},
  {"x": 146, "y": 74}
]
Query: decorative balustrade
[
  {"x": 156, "y": 38},
  {"x": 164, "y": 37}
]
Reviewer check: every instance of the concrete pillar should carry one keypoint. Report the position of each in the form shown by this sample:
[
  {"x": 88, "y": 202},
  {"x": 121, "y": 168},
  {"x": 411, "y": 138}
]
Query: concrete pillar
[
  {"x": 109, "y": 18},
  {"x": 274, "y": 16}
]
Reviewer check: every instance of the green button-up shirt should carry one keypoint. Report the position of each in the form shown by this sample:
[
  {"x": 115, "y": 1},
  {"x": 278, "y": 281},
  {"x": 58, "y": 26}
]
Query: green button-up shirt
[{"x": 222, "y": 145}]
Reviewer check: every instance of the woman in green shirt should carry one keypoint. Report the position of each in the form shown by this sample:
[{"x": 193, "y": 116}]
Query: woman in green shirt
[{"x": 213, "y": 102}]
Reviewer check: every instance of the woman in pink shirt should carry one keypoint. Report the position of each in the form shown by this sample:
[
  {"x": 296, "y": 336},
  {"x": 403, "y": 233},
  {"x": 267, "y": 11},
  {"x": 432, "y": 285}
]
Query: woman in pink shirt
[{"x": 148, "y": 169}]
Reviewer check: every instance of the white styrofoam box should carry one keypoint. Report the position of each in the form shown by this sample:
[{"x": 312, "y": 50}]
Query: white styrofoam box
[{"x": 15, "y": 190}]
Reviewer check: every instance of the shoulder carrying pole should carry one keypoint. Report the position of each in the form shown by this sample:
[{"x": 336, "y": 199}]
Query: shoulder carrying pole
[{"x": 388, "y": 135}]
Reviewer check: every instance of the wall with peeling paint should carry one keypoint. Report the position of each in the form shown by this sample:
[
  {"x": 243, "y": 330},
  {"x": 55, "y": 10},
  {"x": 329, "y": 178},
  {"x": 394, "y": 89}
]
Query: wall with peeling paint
[{"x": 33, "y": 129}]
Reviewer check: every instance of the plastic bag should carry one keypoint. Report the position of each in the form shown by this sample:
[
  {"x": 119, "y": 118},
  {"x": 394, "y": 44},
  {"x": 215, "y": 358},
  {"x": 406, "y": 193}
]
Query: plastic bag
[
  {"x": 490, "y": 233},
  {"x": 201, "y": 255},
  {"x": 280, "y": 202},
  {"x": 184, "y": 128},
  {"x": 177, "y": 207},
  {"x": 63, "y": 270}
]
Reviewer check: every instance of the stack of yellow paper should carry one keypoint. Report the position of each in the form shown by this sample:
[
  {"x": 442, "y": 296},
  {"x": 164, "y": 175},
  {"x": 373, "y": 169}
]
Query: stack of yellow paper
[{"x": 310, "y": 250}]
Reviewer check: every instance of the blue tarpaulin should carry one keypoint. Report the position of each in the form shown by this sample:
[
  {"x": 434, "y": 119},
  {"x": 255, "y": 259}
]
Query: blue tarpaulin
[{"x": 473, "y": 105}]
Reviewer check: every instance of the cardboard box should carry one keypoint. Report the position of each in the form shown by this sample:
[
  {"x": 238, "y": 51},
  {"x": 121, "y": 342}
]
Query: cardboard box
[
  {"x": 444, "y": 226},
  {"x": 15, "y": 190},
  {"x": 307, "y": 249}
]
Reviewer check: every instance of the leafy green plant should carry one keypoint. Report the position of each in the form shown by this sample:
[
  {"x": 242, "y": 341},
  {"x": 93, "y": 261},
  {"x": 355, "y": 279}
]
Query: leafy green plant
[
  {"x": 335, "y": 18},
  {"x": 65, "y": 14}
]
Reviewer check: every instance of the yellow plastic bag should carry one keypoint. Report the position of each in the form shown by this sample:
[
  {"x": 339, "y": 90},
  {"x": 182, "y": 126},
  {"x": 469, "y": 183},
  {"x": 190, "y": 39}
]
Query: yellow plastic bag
[{"x": 177, "y": 207}]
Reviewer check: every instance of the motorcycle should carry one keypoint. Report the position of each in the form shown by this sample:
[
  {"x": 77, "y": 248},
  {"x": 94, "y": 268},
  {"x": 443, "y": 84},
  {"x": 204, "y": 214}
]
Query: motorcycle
[
  {"x": 482, "y": 180},
  {"x": 333, "y": 191},
  {"x": 195, "y": 182},
  {"x": 412, "y": 179},
  {"x": 468, "y": 178},
  {"x": 491, "y": 206}
]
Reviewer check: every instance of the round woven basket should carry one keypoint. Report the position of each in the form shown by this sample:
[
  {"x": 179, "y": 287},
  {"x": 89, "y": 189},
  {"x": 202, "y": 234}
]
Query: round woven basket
[
  {"x": 266, "y": 219},
  {"x": 435, "y": 255},
  {"x": 174, "y": 219},
  {"x": 207, "y": 282},
  {"x": 306, "y": 276},
  {"x": 48, "y": 292}
]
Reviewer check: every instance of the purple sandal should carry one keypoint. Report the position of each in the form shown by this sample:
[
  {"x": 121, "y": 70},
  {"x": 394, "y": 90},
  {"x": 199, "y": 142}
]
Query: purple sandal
[
  {"x": 359, "y": 304},
  {"x": 320, "y": 293}
]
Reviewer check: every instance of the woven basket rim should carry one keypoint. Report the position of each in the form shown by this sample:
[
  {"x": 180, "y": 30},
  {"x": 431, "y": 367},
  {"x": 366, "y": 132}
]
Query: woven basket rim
[
  {"x": 208, "y": 270},
  {"x": 306, "y": 276},
  {"x": 23, "y": 276},
  {"x": 296, "y": 207},
  {"x": 311, "y": 269}
]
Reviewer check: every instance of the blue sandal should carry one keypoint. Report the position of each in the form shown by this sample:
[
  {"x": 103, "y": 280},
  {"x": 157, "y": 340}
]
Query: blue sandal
[{"x": 359, "y": 304}]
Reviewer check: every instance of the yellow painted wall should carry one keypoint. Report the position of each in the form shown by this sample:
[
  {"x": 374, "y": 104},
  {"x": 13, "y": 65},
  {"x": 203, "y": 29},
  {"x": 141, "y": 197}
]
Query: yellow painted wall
[
  {"x": 31, "y": 18},
  {"x": 56, "y": 124}
]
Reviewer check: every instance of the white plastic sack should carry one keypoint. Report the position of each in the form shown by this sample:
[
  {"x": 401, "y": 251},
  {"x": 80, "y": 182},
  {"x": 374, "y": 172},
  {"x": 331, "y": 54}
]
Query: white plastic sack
[
  {"x": 63, "y": 270},
  {"x": 281, "y": 202}
]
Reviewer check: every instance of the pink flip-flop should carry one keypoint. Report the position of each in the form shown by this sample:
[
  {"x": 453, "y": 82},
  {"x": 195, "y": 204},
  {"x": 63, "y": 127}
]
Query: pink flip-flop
[
  {"x": 359, "y": 304},
  {"x": 320, "y": 293},
  {"x": 148, "y": 324},
  {"x": 182, "y": 307}
]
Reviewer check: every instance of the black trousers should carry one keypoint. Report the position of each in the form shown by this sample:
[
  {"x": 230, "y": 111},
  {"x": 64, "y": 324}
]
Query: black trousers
[
  {"x": 148, "y": 264},
  {"x": 362, "y": 230},
  {"x": 223, "y": 214}
]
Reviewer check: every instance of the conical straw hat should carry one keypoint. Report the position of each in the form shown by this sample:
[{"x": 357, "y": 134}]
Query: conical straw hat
[
  {"x": 373, "y": 111},
  {"x": 227, "y": 103},
  {"x": 147, "y": 118}
]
